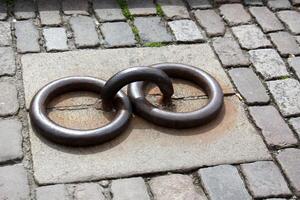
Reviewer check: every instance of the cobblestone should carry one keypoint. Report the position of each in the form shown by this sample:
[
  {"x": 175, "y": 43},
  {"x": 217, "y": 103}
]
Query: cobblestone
[
  {"x": 175, "y": 187},
  {"x": 8, "y": 99},
  {"x": 289, "y": 160},
  {"x": 3, "y": 10},
  {"x": 250, "y": 37},
  {"x": 295, "y": 123},
  {"x": 235, "y": 14},
  {"x": 185, "y": 30},
  {"x": 151, "y": 29},
  {"x": 274, "y": 129},
  {"x": 27, "y": 37},
  {"x": 56, "y": 39},
  {"x": 49, "y": 12},
  {"x": 298, "y": 39},
  {"x": 108, "y": 10},
  {"x": 117, "y": 34},
  {"x": 7, "y": 61},
  {"x": 223, "y": 182},
  {"x": 227, "y": 48},
  {"x": 5, "y": 34},
  {"x": 249, "y": 85},
  {"x": 129, "y": 189},
  {"x": 141, "y": 7},
  {"x": 266, "y": 19},
  {"x": 264, "y": 179},
  {"x": 268, "y": 63},
  {"x": 291, "y": 19},
  {"x": 89, "y": 191},
  {"x": 211, "y": 22},
  {"x": 174, "y": 9},
  {"x": 11, "y": 140},
  {"x": 85, "y": 33},
  {"x": 75, "y": 7},
  {"x": 287, "y": 95},
  {"x": 285, "y": 43},
  {"x": 54, "y": 192},
  {"x": 14, "y": 183},
  {"x": 279, "y": 5},
  {"x": 199, "y": 4},
  {"x": 24, "y": 9},
  {"x": 294, "y": 63}
]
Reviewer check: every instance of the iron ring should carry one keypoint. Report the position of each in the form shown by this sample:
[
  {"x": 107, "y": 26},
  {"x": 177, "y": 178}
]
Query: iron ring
[
  {"x": 179, "y": 120},
  {"x": 74, "y": 137}
]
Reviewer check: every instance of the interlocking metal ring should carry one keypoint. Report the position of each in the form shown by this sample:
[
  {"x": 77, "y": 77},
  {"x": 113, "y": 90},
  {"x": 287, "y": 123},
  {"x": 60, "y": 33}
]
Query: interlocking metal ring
[
  {"x": 179, "y": 120},
  {"x": 74, "y": 137}
]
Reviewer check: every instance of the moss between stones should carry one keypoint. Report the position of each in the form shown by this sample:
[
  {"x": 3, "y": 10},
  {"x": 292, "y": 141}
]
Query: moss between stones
[{"x": 154, "y": 44}]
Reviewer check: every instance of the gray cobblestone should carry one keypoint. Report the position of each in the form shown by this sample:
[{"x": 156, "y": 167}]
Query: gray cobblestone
[
  {"x": 129, "y": 189},
  {"x": 56, "y": 39},
  {"x": 117, "y": 34},
  {"x": 211, "y": 22},
  {"x": 235, "y": 14},
  {"x": 185, "y": 30},
  {"x": 227, "y": 48},
  {"x": 249, "y": 85},
  {"x": 88, "y": 191},
  {"x": 7, "y": 61},
  {"x": 268, "y": 63},
  {"x": 174, "y": 9},
  {"x": 223, "y": 182},
  {"x": 285, "y": 43},
  {"x": 75, "y": 7},
  {"x": 175, "y": 187},
  {"x": 298, "y": 39},
  {"x": 294, "y": 63},
  {"x": 49, "y": 12},
  {"x": 27, "y": 37},
  {"x": 264, "y": 179},
  {"x": 289, "y": 160},
  {"x": 11, "y": 140},
  {"x": 291, "y": 19},
  {"x": 141, "y": 7},
  {"x": 199, "y": 4},
  {"x": 24, "y": 9},
  {"x": 274, "y": 129},
  {"x": 53, "y": 192},
  {"x": 5, "y": 34},
  {"x": 151, "y": 29},
  {"x": 3, "y": 10},
  {"x": 253, "y": 2},
  {"x": 266, "y": 19},
  {"x": 250, "y": 37},
  {"x": 287, "y": 95},
  {"x": 108, "y": 10},
  {"x": 279, "y": 5},
  {"x": 14, "y": 183},
  {"x": 8, "y": 99},
  {"x": 295, "y": 123},
  {"x": 85, "y": 33}
]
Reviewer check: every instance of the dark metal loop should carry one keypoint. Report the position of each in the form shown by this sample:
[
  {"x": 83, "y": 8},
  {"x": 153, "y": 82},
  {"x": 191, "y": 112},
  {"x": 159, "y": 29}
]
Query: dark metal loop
[
  {"x": 75, "y": 137},
  {"x": 179, "y": 120},
  {"x": 133, "y": 74}
]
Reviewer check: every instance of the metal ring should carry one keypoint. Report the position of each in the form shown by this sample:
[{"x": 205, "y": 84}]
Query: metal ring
[
  {"x": 75, "y": 137},
  {"x": 133, "y": 74},
  {"x": 179, "y": 120}
]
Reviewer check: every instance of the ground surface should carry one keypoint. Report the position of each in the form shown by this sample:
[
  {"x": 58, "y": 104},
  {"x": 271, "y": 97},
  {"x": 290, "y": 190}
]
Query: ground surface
[{"x": 250, "y": 152}]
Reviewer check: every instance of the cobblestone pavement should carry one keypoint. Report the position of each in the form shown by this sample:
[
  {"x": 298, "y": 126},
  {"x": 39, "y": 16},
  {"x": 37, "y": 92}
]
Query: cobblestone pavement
[{"x": 256, "y": 41}]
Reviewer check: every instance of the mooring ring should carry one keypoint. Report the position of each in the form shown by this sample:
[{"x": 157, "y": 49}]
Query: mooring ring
[
  {"x": 185, "y": 119},
  {"x": 74, "y": 137}
]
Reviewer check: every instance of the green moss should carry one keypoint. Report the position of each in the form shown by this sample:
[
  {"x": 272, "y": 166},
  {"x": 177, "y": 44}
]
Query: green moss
[
  {"x": 124, "y": 6},
  {"x": 154, "y": 44},
  {"x": 284, "y": 77},
  {"x": 136, "y": 33},
  {"x": 159, "y": 10},
  {"x": 9, "y": 2}
]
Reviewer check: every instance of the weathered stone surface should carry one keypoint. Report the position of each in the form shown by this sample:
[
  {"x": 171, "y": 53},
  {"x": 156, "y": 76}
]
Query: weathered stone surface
[
  {"x": 264, "y": 179},
  {"x": 185, "y": 30},
  {"x": 294, "y": 63},
  {"x": 227, "y": 48},
  {"x": 291, "y": 19},
  {"x": 234, "y": 14},
  {"x": 287, "y": 95},
  {"x": 3, "y": 10},
  {"x": 268, "y": 63},
  {"x": 24, "y": 9},
  {"x": 279, "y": 5},
  {"x": 250, "y": 37},
  {"x": 266, "y": 19},
  {"x": 289, "y": 159},
  {"x": 175, "y": 187},
  {"x": 174, "y": 9},
  {"x": 90, "y": 191},
  {"x": 152, "y": 29},
  {"x": 14, "y": 183},
  {"x": 7, "y": 61},
  {"x": 56, "y": 39},
  {"x": 249, "y": 85},
  {"x": 211, "y": 22},
  {"x": 49, "y": 12},
  {"x": 274, "y": 129},
  {"x": 5, "y": 34},
  {"x": 8, "y": 99},
  {"x": 129, "y": 189},
  {"x": 75, "y": 7},
  {"x": 223, "y": 183},
  {"x": 53, "y": 192},
  {"x": 141, "y": 7},
  {"x": 10, "y": 140},
  {"x": 298, "y": 39},
  {"x": 199, "y": 4},
  {"x": 295, "y": 123},
  {"x": 84, "y": 31},
  {"x": 117, "y": 34},
  {"x": 285, "y": 43},
  {"x": 108, "y": 10},
  {"x": 27, "y": 37}
]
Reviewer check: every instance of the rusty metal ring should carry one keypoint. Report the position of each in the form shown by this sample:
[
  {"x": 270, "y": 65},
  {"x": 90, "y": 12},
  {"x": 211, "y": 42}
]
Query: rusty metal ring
[
  {"x": 75, "y": 137},
  {"x": 179, "y": 120}
]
